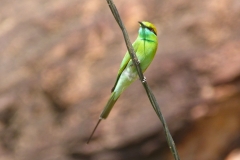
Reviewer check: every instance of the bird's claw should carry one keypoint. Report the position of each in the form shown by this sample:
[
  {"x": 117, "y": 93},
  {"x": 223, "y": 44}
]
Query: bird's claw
[
  {"x": 138, "y": 61},
  {"x": 144, "y": 80}
]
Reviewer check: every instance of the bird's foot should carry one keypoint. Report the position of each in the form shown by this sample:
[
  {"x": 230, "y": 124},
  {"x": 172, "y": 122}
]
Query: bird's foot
[
  {"x": 144, "y": 79},
  {"x": 137, "y": 60}
]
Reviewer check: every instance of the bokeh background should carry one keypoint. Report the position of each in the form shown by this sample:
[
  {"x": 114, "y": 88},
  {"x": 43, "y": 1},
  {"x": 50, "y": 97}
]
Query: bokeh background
[{"x": 59, "y": 60}]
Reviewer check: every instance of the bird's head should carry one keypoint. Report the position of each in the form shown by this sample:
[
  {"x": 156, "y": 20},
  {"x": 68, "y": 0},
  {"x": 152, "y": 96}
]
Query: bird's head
[{"x": 148, "y": 26}]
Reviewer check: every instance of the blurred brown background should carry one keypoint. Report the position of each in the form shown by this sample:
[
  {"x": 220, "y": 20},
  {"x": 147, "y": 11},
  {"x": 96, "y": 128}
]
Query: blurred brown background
[{"x": 59, "y": 60}]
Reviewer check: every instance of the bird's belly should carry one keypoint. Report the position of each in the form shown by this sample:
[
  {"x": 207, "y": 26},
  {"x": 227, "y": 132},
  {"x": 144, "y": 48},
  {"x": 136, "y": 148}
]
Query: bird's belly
[{"x": 130, "y": 74}]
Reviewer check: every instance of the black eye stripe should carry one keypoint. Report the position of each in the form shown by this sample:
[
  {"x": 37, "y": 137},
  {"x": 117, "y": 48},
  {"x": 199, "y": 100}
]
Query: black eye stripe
[{"x": 151, "y": 29}]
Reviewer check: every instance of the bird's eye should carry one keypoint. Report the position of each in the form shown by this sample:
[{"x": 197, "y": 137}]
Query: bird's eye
[{"x": 151, "y": 29}]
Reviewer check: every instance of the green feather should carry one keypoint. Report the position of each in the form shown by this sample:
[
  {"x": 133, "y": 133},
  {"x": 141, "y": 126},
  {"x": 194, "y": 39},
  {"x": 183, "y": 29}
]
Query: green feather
[{"x": 145, "y": 47}]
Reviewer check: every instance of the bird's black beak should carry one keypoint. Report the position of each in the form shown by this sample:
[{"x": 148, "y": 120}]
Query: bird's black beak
[{"x": 142, "y": 25}]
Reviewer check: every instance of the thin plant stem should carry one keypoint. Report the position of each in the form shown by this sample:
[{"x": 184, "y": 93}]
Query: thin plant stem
[{"x": 150, "y": 95}]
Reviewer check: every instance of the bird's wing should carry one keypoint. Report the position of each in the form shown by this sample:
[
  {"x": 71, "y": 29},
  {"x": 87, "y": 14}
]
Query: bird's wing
[{"x": 124, "y": 63}]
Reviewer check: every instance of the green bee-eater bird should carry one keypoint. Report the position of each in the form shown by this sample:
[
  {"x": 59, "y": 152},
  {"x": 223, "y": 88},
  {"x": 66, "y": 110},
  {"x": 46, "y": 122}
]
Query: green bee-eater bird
[{"x": 145, "y": 47}]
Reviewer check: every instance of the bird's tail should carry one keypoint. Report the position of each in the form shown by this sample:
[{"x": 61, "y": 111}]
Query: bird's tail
[{"x": 112, "y": 100}]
